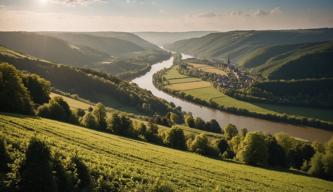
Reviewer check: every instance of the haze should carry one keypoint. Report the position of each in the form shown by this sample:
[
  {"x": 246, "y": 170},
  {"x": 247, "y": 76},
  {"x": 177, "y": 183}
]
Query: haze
[{"x": 162, "y": 15}]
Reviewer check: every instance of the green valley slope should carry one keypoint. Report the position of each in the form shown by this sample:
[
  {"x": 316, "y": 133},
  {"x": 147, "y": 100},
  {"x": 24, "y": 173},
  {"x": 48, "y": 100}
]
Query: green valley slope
[
  {"x": 90, "y": 85},
  {"x": 237, "y": 44},
  {"x": 128, "y": 162}
]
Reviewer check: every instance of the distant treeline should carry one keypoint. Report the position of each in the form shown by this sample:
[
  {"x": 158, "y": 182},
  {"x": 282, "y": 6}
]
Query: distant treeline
[{"x": 307, "y": 92}]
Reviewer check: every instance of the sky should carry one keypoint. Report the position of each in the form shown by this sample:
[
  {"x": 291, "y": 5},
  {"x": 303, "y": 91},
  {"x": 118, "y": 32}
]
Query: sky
[{"x": 163, "y": 15}]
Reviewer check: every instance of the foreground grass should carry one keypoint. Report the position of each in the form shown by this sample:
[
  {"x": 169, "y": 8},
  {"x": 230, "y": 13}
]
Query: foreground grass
[
  {"x": 133, "y": 161},
  {"x": 209, "y": 93}
]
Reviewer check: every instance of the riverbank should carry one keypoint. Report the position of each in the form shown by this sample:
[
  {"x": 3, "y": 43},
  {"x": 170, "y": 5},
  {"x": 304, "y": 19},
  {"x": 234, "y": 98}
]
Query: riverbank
[{"x": 203, "y": 93}]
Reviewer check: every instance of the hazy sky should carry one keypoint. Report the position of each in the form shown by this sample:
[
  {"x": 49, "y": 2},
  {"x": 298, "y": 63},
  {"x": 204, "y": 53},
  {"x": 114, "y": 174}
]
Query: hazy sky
[{"x": 163, "y": 15}]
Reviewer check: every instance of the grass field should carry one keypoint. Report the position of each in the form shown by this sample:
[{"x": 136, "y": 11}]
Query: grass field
[
  {"x": 210, "y": 93},
  {"x": 208, "y": 68},
  {"x": 131, "y": 160},
  {"x": 73, "y": 103}
]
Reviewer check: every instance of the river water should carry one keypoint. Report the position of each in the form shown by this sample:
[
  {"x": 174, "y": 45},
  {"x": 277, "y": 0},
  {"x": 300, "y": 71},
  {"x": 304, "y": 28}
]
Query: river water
[{"x": 224, "y": 118}]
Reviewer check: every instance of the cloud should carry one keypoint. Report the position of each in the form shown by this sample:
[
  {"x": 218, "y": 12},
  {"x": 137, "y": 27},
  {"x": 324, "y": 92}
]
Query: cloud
[
  {"x": 76, "y": 2},
  {"x": 274, "y": 11}
]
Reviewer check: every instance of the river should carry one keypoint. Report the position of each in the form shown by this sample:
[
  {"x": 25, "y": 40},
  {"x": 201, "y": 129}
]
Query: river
[{"x": 224, "y": 118}]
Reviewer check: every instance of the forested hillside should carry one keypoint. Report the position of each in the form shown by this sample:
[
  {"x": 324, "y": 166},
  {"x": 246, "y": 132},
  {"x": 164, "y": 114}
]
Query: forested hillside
[
  {"x": 237, "y": 44},
  {"x": 121, "y": 54},
  {"x": 91, "y": 85}
]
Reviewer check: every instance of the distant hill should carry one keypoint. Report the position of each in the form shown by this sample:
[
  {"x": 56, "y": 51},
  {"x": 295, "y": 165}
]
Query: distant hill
[
  {"x": 90, "y": 85},
  {"x": 312, "y": 60},
  {"x": 51, "y": 48},
  {"x": 238, "y": 44},
  {"x": 127, "y": 37},
  {"x": 109, "y": 45},
  {"x": 163, "y": 38}
]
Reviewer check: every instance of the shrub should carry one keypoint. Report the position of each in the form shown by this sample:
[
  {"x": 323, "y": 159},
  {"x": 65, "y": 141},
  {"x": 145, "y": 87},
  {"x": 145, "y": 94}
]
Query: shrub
[
  {"x": 189, "y": 121},
  {"x": 4, "y": 156},
  {"x": 81, "y": 175},
  {"x": 121, "y": 125}
]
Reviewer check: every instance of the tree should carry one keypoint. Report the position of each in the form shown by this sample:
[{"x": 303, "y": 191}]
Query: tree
[
  {"x": 199, "y": 123},
  {"x": 201, "y": 145},
  {"x": 254, "y": 150},
  {"x": 36, "y": 169},
  {"x": 88, "y": 120},
  {"x": 38, "y": 87},
  {"x": 175, "y": 138},
  {"x": 99, "y": 113},
  {"x": 189, "y": 121},
  {"x": 120, "y": 124},
  {"x": 214, "y": 126},
  {"x": 14, "y": 96},
  {"x": 221, "y": 145},
  {"x": 276, "y": 154},
  {"x": 230, "y": 131}
]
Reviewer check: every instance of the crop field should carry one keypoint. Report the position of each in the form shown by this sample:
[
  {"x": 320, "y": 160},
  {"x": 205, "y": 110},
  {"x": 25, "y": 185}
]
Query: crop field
[
  {"x": 183, "y": 80},
  {"x": 210, "y": 93},
  {"x": 189, "y": 85},
  {"x": 131, "y": 161},
  {"x": 208, "y": 68}
]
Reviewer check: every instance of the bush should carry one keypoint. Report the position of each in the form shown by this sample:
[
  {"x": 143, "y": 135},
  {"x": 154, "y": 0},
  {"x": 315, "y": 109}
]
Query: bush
[
  {"x": 189, "y": 121},
  {"x": 201, "y": 145},
  {"x": 175, "y": 138},
  {"x": 14, "y": 96},
  {"x": 4, "y": 156},
  {"x": 230, "y": 131},
  {"x": 81, "y": 175},
  {"x": 254, "y": 150}
]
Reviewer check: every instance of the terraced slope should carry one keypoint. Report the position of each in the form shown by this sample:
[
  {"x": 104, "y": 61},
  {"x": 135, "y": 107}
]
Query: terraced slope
[{"x": 130, "y": 162}]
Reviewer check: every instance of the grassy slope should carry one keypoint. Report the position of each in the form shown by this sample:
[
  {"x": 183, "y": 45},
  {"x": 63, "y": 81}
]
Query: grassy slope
[
  {"x": 208, "y": 93},
  {"x": 110, "y": 155},
  {"x": 237, "y": 44}
]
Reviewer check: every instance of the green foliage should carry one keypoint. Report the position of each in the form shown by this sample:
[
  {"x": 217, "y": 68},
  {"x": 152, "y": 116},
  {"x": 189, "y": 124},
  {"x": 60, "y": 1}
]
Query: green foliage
[
  {"x": 5, "y": 158},
  {"x": 201, "y": 145},
  {"x": 254, "y": 150},
  {"x": 14, "y": 96},
  {"x": 230, "y": 131},
  {"x": 89, "y": 120},
  {"x": 276, "y": 154},
  {"x": 38, "y": 87},
  {"x": 175, "y": 138},
  {"x": 189, "y": 121},
  {"x": 80, "y": 173},
  {"x": 222, "y": 145},
  {"x": 99, "y": 113},
  {"x": 120, "y": 124},
  {"x": 199, "y": 123},
  {"x": 57, "y": 109},
  {"x": 36, "y": 169}
]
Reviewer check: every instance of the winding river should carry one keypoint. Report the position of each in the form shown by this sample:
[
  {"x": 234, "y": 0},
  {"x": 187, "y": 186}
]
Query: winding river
[{"x": 224, "y": 118}]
